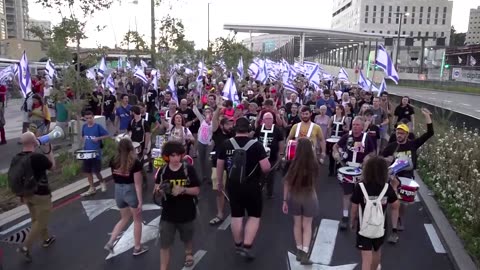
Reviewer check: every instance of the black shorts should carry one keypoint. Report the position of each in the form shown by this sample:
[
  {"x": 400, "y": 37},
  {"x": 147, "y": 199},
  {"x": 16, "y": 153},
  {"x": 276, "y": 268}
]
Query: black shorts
[
  {"x": 347, "y": 188},
  {"x": 246, "y": 197},
  {"x": 92, "y": 165},
  {"x": 367, "y": 244},
  {"x": 168, "y": 230}
]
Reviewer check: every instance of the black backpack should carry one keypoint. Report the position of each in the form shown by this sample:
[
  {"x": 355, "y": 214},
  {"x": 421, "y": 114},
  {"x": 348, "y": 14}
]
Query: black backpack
[
  {"x": 237, "y": 171},
  {"x": 21, "y": 179}
]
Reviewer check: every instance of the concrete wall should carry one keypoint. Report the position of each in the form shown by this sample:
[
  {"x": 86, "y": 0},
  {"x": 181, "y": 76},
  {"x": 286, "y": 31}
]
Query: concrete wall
[
  {"x": 378, "y": 74},
  {"x": 13, "y": 49}
]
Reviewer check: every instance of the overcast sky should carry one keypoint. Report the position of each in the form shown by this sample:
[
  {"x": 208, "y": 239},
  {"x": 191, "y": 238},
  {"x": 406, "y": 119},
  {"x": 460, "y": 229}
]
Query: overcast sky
[{"x": 124, "y": 16}]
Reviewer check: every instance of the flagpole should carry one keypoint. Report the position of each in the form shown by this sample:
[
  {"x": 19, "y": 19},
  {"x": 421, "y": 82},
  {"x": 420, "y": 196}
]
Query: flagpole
[{"x": 375, "y": 64}]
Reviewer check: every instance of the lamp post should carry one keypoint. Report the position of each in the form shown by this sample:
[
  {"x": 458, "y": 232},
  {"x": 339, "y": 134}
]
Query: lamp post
[
  {"x": 398, "y": 36},
  {"x": 152, "y": 3},
  {"x": 208, "y": 30}
]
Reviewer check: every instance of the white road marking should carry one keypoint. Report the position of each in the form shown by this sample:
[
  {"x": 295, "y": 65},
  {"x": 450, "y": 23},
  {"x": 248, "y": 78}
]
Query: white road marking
[
  {"x": 324, "y": 245},
  {"x": 226, "y": 223},
  {"x": 197, "y": 257},
  {"x": 16, "y": 226},
  {"x": 433, "y": 93},
  {"x": 417, "y": 198},
  {"x": 94, "y": 208},
  {"x": 465, "y": 104},
  {"x": 432, "y": 234}
]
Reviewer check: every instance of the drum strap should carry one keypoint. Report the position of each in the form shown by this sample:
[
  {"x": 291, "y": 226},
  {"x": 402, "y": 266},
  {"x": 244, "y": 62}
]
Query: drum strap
[
  {"x": 266, "y": 132},
  {"x": 309, "y": 132},
  {"x": 338, "y": 124}
]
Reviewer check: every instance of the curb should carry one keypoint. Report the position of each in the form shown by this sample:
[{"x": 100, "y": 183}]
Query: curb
[
  {"x": 454, "y": 245},
  {"x": 438, "y": 90},
  {"x": 58, "y": 196}
]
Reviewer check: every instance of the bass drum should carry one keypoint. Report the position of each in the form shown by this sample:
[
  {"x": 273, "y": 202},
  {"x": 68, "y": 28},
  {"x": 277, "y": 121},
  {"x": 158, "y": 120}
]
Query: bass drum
[{"x": 290, "y": 150}]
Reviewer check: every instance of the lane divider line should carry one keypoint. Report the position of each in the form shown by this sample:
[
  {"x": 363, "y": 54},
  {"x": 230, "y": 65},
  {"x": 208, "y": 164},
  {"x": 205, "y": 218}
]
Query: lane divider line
[{"x": 436, "y": 243}]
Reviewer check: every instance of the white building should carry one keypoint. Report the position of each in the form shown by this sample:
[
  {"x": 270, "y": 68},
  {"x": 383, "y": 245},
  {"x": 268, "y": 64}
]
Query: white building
[
  {"x": 473, "y": 34},
  {"x": 424, "y": 18},
  {"x": 17, "y": 18},
  {"x": 266, "y": 43},
  {"x": 44, "y": 25}
]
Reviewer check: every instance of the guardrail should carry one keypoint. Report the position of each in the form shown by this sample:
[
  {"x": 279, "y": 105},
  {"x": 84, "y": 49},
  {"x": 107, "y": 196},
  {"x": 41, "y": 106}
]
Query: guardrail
[{"x": 430, "y": 83}]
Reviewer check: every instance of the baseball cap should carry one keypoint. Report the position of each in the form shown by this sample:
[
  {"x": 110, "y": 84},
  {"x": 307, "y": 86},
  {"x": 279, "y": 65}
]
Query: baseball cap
[
  {"x": 240, "y": 107},
  {"x": 404, "y": 128},
  {"x": 273, "y": 90}
]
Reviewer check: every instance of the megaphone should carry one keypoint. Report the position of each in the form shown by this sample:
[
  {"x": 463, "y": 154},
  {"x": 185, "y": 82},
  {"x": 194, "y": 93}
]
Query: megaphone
[{"x": 55, "y": 134}]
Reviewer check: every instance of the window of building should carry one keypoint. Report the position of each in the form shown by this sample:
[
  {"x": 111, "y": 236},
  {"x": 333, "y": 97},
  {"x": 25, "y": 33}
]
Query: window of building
[
  {"x": 429, "y": 9},
  {"x": 421, "y": 9},
  {"x": 434, "y": 34},
  {"x": 426, "y": 34},
  {"x": 366, "y": 18},
  {"x": 398, "y": 8},
  {"x": 404, "y": 33},
  {"x": 388, "y": 32},
  {"x": 382, "y": 8},
  {"x": 419, "y": 33},
  {"x": 381, "y": 32},
  {"x": 396, "y": 32},
  {"x": 373, "y": 19},
  {"x": 381, "y": 19},
  {"x": 420, "y": 21},
  {"x": 374, "y": 8},
  {"x": 366, "y": 8},
  {"x": 373, "y": 31},
  {"x": 443, "y": 21},
  {"x": 411, "y": 33}
]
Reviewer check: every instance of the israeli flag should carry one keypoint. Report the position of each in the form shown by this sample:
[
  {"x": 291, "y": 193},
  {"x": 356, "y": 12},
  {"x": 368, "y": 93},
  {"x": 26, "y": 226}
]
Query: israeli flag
[
  {"x": 188, "y": 71},
  {"x": 254, "y": 70},
  {"x": 128, "y": 66},
  {"x": 8, "y": 73},
  {"x": 91, "y": 74},
  {"x": 262, "y": 73},
  {"x": 143, "y": 64},
  {"x": 287, "y": 83},
  {"x": 141, "y": 75},
  {"x": 382, "y": 88},
  {"x": 342, "y": 74},
  {"x": 24, "y": 78},
  {"x": 202, "y": 70},
  {"x": 103, "y": 67},
  {"x": 309, "y": 67},
  {"x": 50, "y": 67},
  {"x": 385, "y": 62},
  {"x": 240, "y": 67},
  {"x": 110, "y": 84},
  {"x": 120, "y": 63},
  {"x": 155, "y": 76},
  {"x": 363, "y": 82},
  {"x": 314, "y": 75},
  {"x": 230, "y": 90},
  {"x": 171, "y": 87}
]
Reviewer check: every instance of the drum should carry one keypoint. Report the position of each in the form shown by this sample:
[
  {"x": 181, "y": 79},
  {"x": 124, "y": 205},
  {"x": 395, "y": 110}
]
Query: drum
[
  {"x": 290, "y": 150},
  {"x": 138, "y": 147},
  {"x": 156, "y": 152},
  {"x": 408, "y": 189},
  {"x": 119, "y": 137},
  {"x": 86, "y": 154},
  {"x": 349, "y": 175},
  {"x": 333, "y": 140}
]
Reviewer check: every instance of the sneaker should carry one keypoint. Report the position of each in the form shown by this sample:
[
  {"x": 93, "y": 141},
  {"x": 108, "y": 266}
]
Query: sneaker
[
  {"x": 305, "y": 260},
  {"x": 109, "y": 247},
  {"x": 91, "y": 191},
  {"x": 49, "y": 241},
  {"x": 103, "y": 187},
  {"x": 344, "y": 223},
  {"x": 26, "y": 254},
  {"x": 239, "y": 251},
  {"x": 299, "y": 255},
  {"x": 400, "y": 226},
  {"x": 140, "y": 251},
  {"x": 393, "y": 238},
  {"x": 247, "y": 254}
]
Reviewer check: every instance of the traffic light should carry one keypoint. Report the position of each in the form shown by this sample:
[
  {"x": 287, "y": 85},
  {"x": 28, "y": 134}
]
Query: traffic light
[{"x": 447, "y": 66}]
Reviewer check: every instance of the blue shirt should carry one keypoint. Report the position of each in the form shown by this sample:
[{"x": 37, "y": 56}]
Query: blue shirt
[
  {"x": 89, "y": 133},
  {"x": 124, "y": 114},
  {"x": 329, "y": 103}
]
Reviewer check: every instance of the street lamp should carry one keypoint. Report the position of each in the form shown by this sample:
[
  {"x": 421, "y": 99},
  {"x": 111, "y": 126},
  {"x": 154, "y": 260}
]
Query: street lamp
[
  {"x": 208, "y": 30},
  {"x": 398, "y": 36}
]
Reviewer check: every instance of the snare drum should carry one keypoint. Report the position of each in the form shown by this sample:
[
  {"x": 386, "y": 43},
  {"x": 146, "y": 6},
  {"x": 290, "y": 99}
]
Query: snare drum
[
  {"x": 86, "y": 154},
  {"x": 290, "y": 150},
  {"x": 350, "y": 175},
  {"x": 408, "y": 189},
  {"x": 333, "y": 140},
  {"x": 119, "y": 137}
]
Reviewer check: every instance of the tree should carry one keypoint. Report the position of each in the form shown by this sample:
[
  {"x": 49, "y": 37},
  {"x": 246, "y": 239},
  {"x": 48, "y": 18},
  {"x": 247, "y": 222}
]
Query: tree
[
  {"x": 171, "y": 33},
  {"x": 137, "y": 40},
  {"x": 228, "y": 49},
  {"x": 457, "y": 39}
]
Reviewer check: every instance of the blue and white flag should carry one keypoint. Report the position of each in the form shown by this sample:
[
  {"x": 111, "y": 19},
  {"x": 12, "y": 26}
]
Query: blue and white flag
[
  {"x": 314, "y": 75},
  {"x": 287, "y": 82},
  {"x": 254, "y": 70},
  {"x": 309, "y": 67},
  {"x": 202, "y": 71},
  {"x": 363, "y": 82},
  {"x": 50, "y": 67},
  {"x": 8, "y": 73},
  {"x": 110, "y": 84},
  {"x": 141, "y": 75},
  {"x": 143, "y": 64},
  {"x": 102, "y": 68},
  {"x": 128, "y": 66},
  {"x": 24, "y": 78},
  {"x": 385, "y": 62},
  {"x": 382, "y": 88},
  {"x": 240, "y": 68},
  {"x": 155, "y": 75},
  {"x": 262, "y": 72},
  {"x": 91, "y": 74},
  {"x": 230, "y": 90},
  {"x": 342, "y": 74},
  {"x": 171, "y": 87},
  {"x": 120, "y": 63}
]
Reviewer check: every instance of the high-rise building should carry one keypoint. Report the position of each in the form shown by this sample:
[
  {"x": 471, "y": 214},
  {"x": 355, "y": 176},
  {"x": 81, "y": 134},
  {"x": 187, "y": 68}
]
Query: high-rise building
[
  {"x": 473, "y": 34},
  {"x": 17, "y": 18},
  {"x": 44, "y": 25},
  {"x": 3, "y": 21}
]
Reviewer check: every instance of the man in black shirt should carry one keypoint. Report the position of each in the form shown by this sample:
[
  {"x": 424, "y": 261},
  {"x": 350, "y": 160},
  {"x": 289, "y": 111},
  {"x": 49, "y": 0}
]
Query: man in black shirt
[
  {"x": 406, "y": 149},
  {"x": 139, "y": 131},
  {"x": 40, "y": 204},
  {"x": 109, "y": 109},
  {"x": 272, "y": 139},
  {"x": 246, "y": 195},
  {"x": 151, "y": 100},
  {"x": 178, "y": 182}
]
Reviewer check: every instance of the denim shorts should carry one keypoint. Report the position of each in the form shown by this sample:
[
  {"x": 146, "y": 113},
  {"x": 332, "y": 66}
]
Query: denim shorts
[{"x": 126, "y": 196}]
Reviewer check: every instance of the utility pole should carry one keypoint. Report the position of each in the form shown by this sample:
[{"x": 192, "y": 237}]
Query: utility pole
[
  {"x": 398, "y": 36},
  {"x": 208, "y": 31},
  {"x": 152, "y": 2}
]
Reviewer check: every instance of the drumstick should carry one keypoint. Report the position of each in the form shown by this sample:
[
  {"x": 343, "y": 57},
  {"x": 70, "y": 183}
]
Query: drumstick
[{"x": 226, "y": 196}]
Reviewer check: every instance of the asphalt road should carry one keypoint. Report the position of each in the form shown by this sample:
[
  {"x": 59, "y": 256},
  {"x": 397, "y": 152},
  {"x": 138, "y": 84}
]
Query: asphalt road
[
  {"x": 80, "y": 241},
  {"x": 462, "y": 103}
]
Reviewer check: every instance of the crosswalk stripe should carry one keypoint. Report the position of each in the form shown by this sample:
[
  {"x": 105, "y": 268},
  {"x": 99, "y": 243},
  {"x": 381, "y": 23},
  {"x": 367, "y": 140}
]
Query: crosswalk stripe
[{"x": 436, "y": 243}]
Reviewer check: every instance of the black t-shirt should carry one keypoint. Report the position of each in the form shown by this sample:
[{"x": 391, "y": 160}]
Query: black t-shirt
[
  {"x": 409, "y": 149},
  {"x": 125, "y": 178},
  {"x": 373, "y": 190},
  {"x": 254, "y": 154},
  {"x": 109, "y": 105},
  {"x": 40, "y": 165},
  {"x": 179, "y": 209},
  {"x": 373, "y": 132},
  {"x": 151, "y": 98},
  {"x": 404, "y": 112},
  {"x": 348, "y": 143},
  {"x": 273, "y": 138},
  {"x": 138, "y": 131},
  {"x": 189, "y": 115},
  {"x": 218, "y": 138}
]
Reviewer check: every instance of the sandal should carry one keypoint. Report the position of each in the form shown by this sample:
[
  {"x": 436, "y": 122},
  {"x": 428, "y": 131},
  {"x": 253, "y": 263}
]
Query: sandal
[
  {"x": 189, "y": 260},
  {"x": 216, "y": 221}
]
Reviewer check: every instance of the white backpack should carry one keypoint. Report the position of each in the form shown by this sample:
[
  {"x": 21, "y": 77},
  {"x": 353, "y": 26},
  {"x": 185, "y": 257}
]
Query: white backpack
[{"x": 372, "y": 220}]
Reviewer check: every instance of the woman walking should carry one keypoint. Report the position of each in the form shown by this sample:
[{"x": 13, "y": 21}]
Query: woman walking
[
  {"x": 127, "y": 175},
  {"x": 300, "y": 198},
  {"x": 375, "y": 176}
]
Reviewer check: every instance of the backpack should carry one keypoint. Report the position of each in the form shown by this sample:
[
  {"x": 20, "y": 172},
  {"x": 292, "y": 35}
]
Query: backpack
[
  {"x": 21, "y": 179},
  {"x": 143, "y": 128},
  {"x": 372, "y": 221},
  {"x": 25, "y": 101},
  {"x": 237, "y": 171}
]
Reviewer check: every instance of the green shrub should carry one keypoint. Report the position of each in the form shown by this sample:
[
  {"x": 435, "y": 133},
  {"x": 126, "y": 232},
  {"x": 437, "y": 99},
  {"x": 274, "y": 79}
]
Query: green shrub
[
  {"x": 71, "y": 170},
  {"x": 3, "y": 180}
]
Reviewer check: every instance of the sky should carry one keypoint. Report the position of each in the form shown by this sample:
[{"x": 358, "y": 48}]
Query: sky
[{"x": 123, "y": 16}]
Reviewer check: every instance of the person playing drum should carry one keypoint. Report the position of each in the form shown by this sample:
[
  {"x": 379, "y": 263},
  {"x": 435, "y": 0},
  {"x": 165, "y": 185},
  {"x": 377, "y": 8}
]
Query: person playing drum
[
  {"x": 355, "y": 146},
  {"x": 337, "y": 126},
  {"x": 308, "y": 129},
  {"x": 404, "y": 148}
]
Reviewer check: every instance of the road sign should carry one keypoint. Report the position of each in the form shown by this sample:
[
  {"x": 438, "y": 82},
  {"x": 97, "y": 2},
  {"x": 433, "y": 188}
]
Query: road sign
[{"x": 456, "y": 73}]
